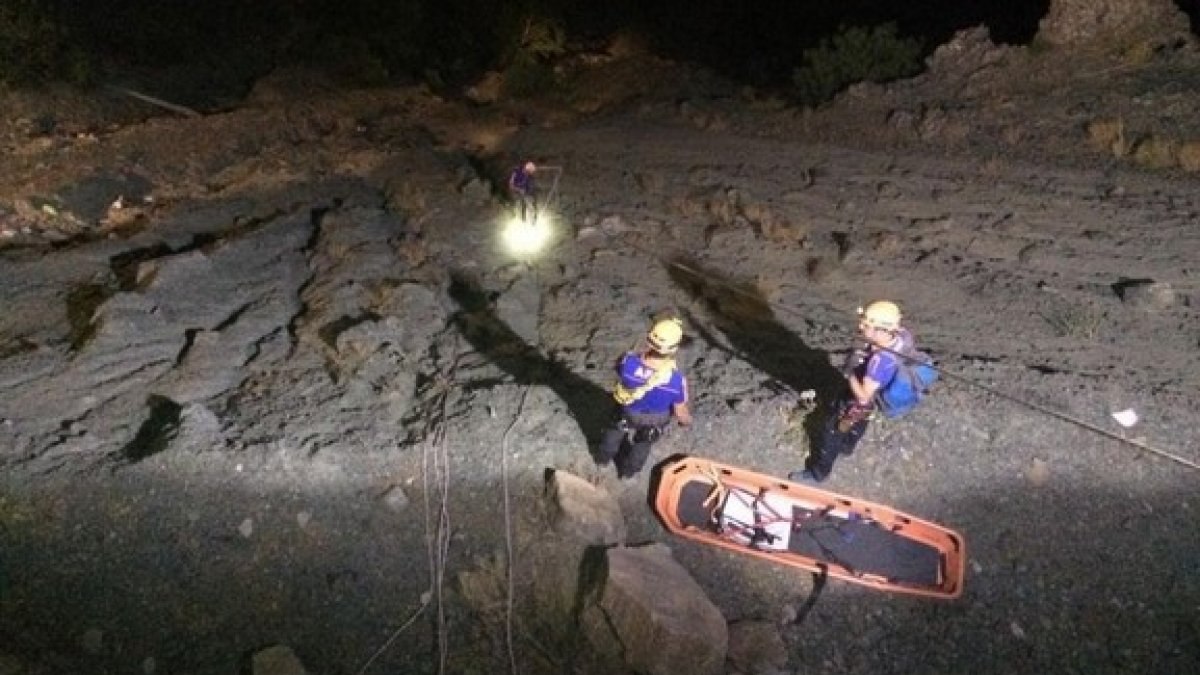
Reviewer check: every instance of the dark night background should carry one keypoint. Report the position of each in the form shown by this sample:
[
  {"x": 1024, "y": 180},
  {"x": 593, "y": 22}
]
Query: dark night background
[
  {"x": 452, "y": 41},
  {"x": 759, "y": 40},
  {"x": 764, "y": 37}
]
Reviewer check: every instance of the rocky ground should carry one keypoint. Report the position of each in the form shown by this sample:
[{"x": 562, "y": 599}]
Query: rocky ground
[{"x": 271, "y": 378}]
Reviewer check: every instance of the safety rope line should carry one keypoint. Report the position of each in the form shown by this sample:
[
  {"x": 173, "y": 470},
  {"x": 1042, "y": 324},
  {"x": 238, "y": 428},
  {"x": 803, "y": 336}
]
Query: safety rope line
[
  {"x": 1071, "y": 419},
  {"x": 508, "y": 537},
  {"x": 395, "y": 635},
  {"x": 442, "y": 531},
  {"x": 1057, "y": 414},
  {"x": 558, "y": 171},
  {"x": 716, "y": 497},
  {"x": 434, "y": 468}
]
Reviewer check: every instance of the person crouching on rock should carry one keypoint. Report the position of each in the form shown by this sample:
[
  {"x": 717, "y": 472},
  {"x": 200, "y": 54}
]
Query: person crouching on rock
[
  {"x": 870, "y": 366},
  {"x": 521, "y": 189},
  {"x": 649, "y": 392}
]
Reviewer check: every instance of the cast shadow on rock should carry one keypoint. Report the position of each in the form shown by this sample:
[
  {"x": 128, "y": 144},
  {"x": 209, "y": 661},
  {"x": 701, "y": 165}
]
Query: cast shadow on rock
[
  {"x": 590, "y": 405},
  {"x": 754, "y": 334}
]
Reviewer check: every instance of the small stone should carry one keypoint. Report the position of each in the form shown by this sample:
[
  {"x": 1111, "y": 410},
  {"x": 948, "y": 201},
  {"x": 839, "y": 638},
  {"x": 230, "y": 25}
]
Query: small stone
[
  {"x": 1017, "y": 631},
  {"x": 92, "y": 641},
  {"x": 303, "y": 519},
  {"x": 277, "y": 660},
  {"x": 395, "y": 499},
  {"x": 1147, "y": 294},
  {"x": 246, "y": 528},
  {"x": 1039, "y": 472},
  {"x": 614, "y": 225},
  {"x": 149, "y": 665},
  {"x": 788, "y": 614}
]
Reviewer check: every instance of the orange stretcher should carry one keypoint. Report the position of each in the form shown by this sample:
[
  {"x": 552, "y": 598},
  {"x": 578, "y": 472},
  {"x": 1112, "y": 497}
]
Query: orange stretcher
[{"x": 815, "y": 530}]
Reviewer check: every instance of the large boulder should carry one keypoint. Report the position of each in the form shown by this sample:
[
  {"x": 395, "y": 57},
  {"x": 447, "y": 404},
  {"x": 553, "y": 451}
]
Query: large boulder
[
  {"x": 192, "y": 329},
  {"x": 277, "y": 660},
  {"x": 651, "y": 613},
  {"x": 1113, "y": 25},
  {"x": 583, "y": 511},
  {"x": 756, "y": 648}
]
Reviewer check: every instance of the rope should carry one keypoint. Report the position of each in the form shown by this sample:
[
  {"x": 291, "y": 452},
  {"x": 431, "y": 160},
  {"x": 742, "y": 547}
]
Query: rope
[
  {"x": 1059, "y": 415},
  {"x": 434, "y": 465},
  {"x": 379, "y": 652},
  {"x": 1070, "y": 419},
  {"x": 550, "y": 193},
  {"x": 719, "y": 489},
  {"x": 508, "y": 538},
  {"x": 443, "y": 535}
]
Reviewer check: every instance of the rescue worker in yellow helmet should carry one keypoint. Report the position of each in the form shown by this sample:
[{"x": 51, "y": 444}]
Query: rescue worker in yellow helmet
[
  {"x": 872, "y": 364},
  {"x": 650, "y": 392}
]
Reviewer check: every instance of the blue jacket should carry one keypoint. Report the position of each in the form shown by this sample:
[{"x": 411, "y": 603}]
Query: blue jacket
[
  {"x": 520, "y": 181},
  {"x": 634, "y": 373}
]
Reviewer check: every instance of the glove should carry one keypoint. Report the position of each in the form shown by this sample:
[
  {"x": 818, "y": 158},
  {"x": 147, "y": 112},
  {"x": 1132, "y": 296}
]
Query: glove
[{"x": 850, "y": 416}]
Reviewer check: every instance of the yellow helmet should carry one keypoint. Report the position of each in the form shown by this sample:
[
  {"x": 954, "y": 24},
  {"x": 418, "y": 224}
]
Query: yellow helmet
[
  {"x": 666, "y": 335},
  {"x": 881, "y": 314}
]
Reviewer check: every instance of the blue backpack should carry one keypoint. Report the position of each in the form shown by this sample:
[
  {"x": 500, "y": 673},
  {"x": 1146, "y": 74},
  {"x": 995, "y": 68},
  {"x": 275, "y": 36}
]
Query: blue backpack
[{"x": 913, "y": 379}]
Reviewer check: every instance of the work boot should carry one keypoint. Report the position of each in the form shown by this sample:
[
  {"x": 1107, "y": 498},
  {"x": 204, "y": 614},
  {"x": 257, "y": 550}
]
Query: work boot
[
  {"x": 805, "y": 476},
  {"x": 630, "y": 462}
]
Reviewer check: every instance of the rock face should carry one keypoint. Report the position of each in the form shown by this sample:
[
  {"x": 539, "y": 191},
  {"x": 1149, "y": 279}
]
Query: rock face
[
  {"x": 277, "y": 660},
  {"x": 756, "y": 647},
  {"x": 583, "y": 511},
  {"x": 655, "y": 615},
  {"x": 185, "y": 334},
  {"x": 1117, "y": 23}
]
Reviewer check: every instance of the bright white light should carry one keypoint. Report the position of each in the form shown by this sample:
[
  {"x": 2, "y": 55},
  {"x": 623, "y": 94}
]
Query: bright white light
[
  {"x": 1126, "y": 418},
  {"x": 527, "y": 238}
]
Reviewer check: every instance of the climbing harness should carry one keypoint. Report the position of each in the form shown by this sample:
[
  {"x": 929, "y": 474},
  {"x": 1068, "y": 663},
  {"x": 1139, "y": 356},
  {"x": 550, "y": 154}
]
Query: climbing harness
[{"x": 661, "y": 375}]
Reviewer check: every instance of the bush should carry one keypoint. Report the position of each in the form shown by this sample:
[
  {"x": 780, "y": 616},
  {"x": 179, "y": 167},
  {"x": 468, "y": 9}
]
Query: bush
[
  {"x": 541, "y": 40},
  {"x": 855, "y": 54},
  {"x": 530, "y": 68},
  {"x": 525, "y": 79},
  {"x": 36, "y": 47},
  {"x": 1075, "y": 321}
]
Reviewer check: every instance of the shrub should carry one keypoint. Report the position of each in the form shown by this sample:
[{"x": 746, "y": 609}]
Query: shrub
[
  {"x": 524, "y": 79},
  {"x": 530, "y": 68},
  {"x": 541, "y": 40},
  {"x": 855, "y": 54},
  {"x": 1075, "y": 321},
  {"x": 35, "y": 46}
]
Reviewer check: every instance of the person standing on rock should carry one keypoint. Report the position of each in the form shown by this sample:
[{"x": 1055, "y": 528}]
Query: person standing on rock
[
  {"x": 650, "y": 392},
  {"x": 521, "y": 188},
  {"x": 871, "y": 366}
]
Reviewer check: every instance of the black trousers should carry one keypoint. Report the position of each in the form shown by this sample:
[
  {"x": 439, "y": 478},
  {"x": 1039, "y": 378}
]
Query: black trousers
[
  {"x": 627, "y": 443},
  {"x": 834, "y": 441},
  {"x": 526, "y": 207}
]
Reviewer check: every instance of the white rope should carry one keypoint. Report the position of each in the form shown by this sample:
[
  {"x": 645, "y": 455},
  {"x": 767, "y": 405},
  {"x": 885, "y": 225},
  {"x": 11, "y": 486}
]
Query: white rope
[
  {"x": 443, "y": 535},
  {"x": 508, "y": 538},
  {"x": 434, "y": 465},
  {"x": 165, "y": 105},
  {"x": 395, "y": 635}
]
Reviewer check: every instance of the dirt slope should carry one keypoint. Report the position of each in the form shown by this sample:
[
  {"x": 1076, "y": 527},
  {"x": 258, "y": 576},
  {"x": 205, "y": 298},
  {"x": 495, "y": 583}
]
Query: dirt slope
[{"x": 1028, "y": 257}]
